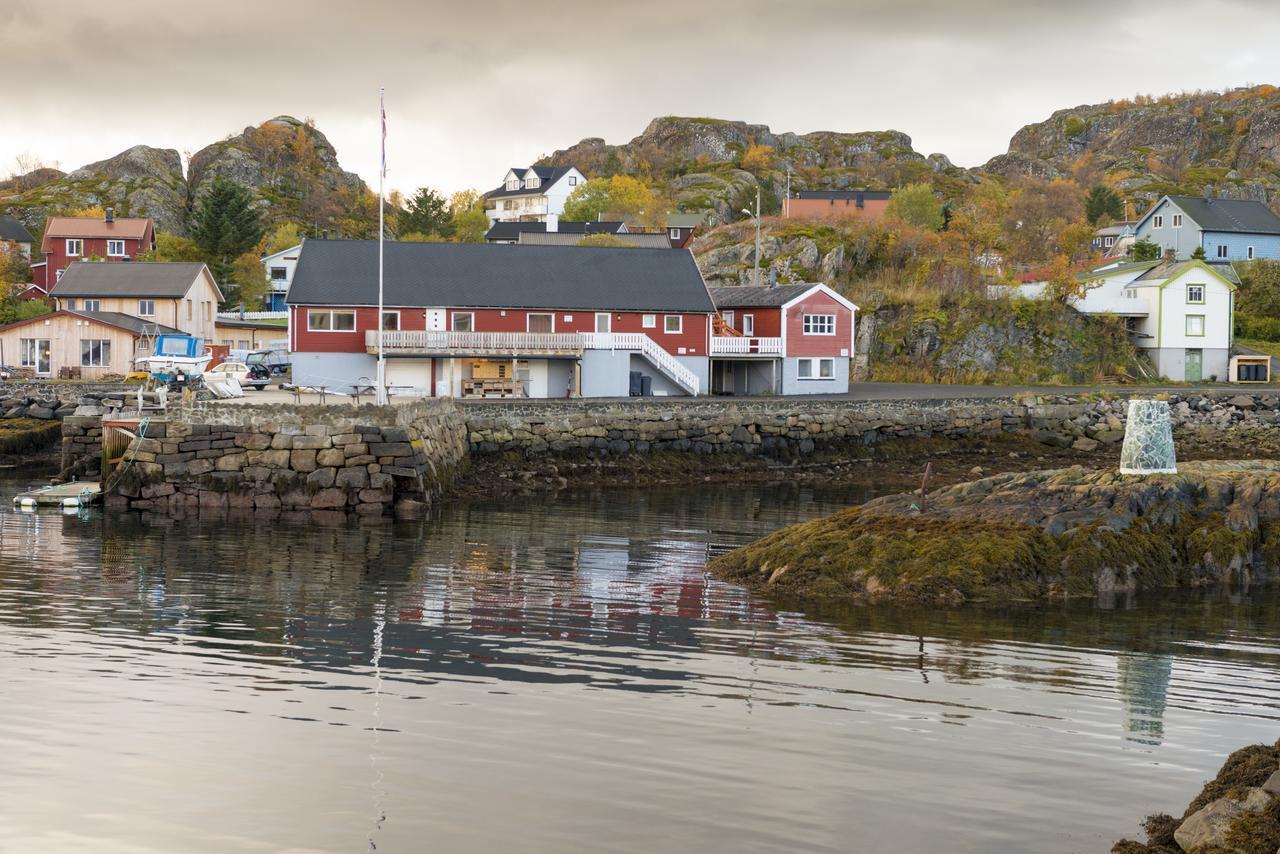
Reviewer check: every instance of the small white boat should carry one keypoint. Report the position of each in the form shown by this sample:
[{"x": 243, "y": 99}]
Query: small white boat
[{"x": 176, "y": 355}]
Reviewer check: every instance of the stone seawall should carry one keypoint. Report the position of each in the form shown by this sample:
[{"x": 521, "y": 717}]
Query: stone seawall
[
  {"x": 367, "y": 459},
  {"x": 337, "y": 458},
  {"x": 790, "y": 428}
]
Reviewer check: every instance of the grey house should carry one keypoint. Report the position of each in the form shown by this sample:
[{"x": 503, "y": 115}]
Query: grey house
[
  {"x": 14, "y": 232},
  {"x": 1227, "y": 229}
]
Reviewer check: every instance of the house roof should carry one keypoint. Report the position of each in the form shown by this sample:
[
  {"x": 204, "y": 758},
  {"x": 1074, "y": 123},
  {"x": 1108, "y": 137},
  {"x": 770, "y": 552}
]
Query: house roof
[
  {"x": 850, "y": 195},
  {"x": 1116, "y": 229},
  {"x": 1244, "y": 216},
  {"x": 292, "y": 250},
  {"x": 89, "y": 227},
  {"x": 565, "y": 238},
  {"x": 547, "y": 175},
  {"x": 11, "y": 229},
  {"x": 1114, "y": 269},
  {"x": 134, "y": 325},
  {"x": 685, "y": 220},
  {"x": 150, "y": 279},
  {"x": 482, "y": 275},
  {"x": 1167, "y": 271},
  {"x": 513, "y": 230},
  {"x": 750, "y": 296}
]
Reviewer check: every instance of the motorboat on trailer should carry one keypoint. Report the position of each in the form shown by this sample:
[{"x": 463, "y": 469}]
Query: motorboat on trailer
[{"x": 176, "y": 358}]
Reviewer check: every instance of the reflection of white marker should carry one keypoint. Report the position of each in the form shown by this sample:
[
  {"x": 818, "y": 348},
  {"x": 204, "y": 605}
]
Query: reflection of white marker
[
  {"x": 71, "y": 502},
  {"x": 27, "y": 503}
]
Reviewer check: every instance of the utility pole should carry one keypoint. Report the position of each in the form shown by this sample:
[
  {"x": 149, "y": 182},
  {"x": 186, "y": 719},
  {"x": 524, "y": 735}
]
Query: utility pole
[
  {"x": 786, "y": 199},
  {"x": 756, "y": 277}
]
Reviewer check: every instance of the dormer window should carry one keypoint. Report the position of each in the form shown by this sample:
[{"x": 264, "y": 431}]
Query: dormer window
[
  {"x": 513, "y": 184},
  {"x": 532, "y": 182}
]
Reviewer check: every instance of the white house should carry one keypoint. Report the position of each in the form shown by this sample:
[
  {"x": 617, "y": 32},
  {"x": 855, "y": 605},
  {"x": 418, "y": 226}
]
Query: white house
[
  {"x": 280, "y": 267},
  {"x": 1179, "y": 312},
  {"x": 532, "y": 194}
]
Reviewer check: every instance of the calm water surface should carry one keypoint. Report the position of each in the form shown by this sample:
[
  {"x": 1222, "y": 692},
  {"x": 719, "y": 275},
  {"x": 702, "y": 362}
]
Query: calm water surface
[{"x": 561, "y": 676}]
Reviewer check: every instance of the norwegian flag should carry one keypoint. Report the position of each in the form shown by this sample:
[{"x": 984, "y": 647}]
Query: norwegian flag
[{"x": 382, "y": 105}]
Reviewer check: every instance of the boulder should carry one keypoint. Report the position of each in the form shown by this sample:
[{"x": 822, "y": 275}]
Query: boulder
[
  {"x": 1242, "y": 401},
  {"x": 1207, "y": 827},
  {"x": 1085, "y": 444}
]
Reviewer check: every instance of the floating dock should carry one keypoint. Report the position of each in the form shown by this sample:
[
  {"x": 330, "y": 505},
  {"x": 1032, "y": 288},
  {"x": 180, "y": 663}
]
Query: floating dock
[{"x": 75, "y": 494}]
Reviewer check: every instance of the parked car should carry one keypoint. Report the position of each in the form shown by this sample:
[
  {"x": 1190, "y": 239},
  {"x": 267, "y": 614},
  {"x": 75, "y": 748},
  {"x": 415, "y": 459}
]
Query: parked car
[
  {"x": 275, "y": 361},
  {"x": 255, "y": 376}
]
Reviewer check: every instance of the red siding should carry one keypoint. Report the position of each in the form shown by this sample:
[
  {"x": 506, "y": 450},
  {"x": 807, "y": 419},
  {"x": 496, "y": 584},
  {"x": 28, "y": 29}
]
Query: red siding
[
  {"x": 768, "y": 321},
  {"x": 834, "y": 208},
  {"x": 693, "y": 336},
  {"x": 799, "y": 344},
  {"x": 91, "y": 247}
]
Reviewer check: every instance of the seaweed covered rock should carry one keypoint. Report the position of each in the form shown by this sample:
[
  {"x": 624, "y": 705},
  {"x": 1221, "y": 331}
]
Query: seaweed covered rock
[{"x": 1067, "y": 532}]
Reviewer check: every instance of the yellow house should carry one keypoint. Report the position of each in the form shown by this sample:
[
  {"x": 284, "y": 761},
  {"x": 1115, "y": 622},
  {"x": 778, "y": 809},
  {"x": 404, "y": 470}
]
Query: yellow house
[
  {"x": 250, "y": 334},
  {"x": 180, "y": 295},
  {"x": 78, "y": 344}
]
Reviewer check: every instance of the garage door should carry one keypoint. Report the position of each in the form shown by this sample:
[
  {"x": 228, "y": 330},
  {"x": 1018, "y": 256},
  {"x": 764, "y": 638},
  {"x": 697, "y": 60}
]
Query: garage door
[{"x": 409, "y": 376}]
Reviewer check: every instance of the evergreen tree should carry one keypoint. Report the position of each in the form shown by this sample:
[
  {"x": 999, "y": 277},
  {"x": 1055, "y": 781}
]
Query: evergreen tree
[
  {"x": 1102, "y": 201},
  {"x": 225, "y": 225},
  {"x": 1145, "y": 250},
  {"x": 426, "y": 213},
  {"x": 1198, "y": 254}
]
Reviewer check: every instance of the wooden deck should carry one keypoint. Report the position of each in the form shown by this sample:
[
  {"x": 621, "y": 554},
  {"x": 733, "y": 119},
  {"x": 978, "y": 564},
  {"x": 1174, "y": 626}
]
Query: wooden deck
[{"x": 83, "y": 492}]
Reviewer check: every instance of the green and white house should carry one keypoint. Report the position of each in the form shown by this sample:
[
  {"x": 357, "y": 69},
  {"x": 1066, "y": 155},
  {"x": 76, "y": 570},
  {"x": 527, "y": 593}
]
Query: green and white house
[{"x": 1179, "y": 312}]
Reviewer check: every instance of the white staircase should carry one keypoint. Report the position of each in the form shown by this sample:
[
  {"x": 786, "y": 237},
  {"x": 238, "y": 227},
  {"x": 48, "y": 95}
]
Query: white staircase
[{"x": 668, "y": 364}]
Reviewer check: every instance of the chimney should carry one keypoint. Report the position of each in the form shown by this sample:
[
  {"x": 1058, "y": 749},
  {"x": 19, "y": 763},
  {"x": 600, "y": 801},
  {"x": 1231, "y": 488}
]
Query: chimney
[{"x": 111, "y": 214}]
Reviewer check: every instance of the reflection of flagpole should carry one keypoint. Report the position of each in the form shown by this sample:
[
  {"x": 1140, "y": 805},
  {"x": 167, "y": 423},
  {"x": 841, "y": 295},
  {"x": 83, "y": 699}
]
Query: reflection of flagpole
[
  {"x": 379, "y": 629},
  {"x": 380, "y": 394}
]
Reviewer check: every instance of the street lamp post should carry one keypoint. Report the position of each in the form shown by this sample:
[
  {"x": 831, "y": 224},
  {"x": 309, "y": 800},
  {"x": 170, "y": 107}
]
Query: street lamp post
[{"x": 755, "y": 279}]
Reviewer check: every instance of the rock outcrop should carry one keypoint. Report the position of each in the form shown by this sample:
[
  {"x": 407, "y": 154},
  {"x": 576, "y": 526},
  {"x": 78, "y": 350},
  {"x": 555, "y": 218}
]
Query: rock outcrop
[{"x": 1037, "y": 535}]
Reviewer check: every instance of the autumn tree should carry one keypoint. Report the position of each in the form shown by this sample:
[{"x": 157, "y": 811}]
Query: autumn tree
[
  {"x": 171, "y": 247},
  {"x": 468, "y": 219},
  {"x": 282, "y": 237},
  {"x": 225, "y": 224},
  {"x": 250, "y": 279},
  {"x": 621, "y": 196},
  {"x": 1102, "y": 201},
  {"x": 1037, "y": 218},
  {"x": 427, "y": 212},
  {"x": 915, "y": 204},
  {"x": 602, "y": 239},
  {"x": 758, "y": 159}
]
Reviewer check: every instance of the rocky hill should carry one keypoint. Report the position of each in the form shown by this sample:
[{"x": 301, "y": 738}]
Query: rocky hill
[
  {"x": 702, "y": 163},
  {"x": 290, "y": 164},
  {"x": 1228, "y": 142}
]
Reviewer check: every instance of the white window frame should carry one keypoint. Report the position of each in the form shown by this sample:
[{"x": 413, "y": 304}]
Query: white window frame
[
  {"x": 331, "y": 315},
  {"x": 29, "y": 352},
  {"x": 387, "y": 315},
  {"x": 728, "y": 317},
  {"x": 93, "y": 305},
  {"x": 666, "y": 324},
  {"x": 748, "y": 325},
  {"x": 513, "y": 184},
  {"x": 1191, "y": 301},
  {"x": 103, "y": 353},
  {"x": 471, "y": 321},
  {"x": 1157, "y": 221},
  {"x": 1187, "y": 328},
  {"x": 608, "y": 322},
  {"x": 71, "y": 305},
  {"x": 528, "y": 320},
  {"x": 533, "y": 182},
  {"x": 1223, "y": 249},
  {"x": 825, "y": 365},
  {"x": 649, "y": 321},
  {"x": 115, "y": 244},
  {"x": 673, "y": 233},
  {"x": 817, "y": 324},
  {"x": 78, "y": 244},
  {"x": 1177, "y": 220},
  {"x": 284, "y": 274},
  {"x": 146, "y": 308},
  {"x": 1248, "y": 253},
  {"x": 573, "y": 180},
  {"x": 1109, "y": 241}
]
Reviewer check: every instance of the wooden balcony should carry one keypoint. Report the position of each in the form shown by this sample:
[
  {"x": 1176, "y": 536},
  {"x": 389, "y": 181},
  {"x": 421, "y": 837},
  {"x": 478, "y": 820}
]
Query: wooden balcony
[{"x": 745, "y": 347}]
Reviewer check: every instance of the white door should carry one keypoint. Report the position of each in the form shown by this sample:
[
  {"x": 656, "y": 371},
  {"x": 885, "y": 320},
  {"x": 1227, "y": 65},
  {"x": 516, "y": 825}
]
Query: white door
[
  {"x": 749, "y": 325},
  {"x": 436, "y": 319},
  {"x": 604, "y": 321}
]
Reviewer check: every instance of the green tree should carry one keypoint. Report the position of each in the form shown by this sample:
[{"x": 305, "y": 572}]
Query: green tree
[
  {"x": 1259, "y": 293},
  {"x": 225, "y": 224},
  {"x": 15, "y": 267},
  {"x": 1198, "y": 253},
  {"x": 426, "y": 213},
  {"x": 915, "y": 204},
  {"x": 1145, "y": 250},
  {"x": 171, "y": 247},
  {"x": 284, "y": 236},
  {"x": 250, "y": 279},
  {"x": 618, "y": 196},
  {"x": 1102, "y": 201},
  {"x": 12, "y": 310},
  {"x": 466, "y": 213}
]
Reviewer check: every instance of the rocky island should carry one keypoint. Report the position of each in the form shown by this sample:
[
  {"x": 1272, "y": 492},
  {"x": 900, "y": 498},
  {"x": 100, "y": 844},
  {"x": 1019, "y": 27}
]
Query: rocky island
[{"x": 1029, "y": 536}]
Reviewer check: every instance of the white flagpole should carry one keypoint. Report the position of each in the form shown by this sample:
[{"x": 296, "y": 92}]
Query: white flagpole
[{"x": 380, "y": 395}]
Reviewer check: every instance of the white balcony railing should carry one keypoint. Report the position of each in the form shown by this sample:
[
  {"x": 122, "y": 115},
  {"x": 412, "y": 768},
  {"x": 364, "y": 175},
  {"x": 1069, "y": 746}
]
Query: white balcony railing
[{"x": 725, "y": 345}]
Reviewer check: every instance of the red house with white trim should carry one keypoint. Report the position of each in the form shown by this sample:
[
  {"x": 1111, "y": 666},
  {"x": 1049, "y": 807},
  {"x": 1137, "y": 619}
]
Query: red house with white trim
[
  {"x": 788, "y": 339},
  {"x": 70, "y": 239}
]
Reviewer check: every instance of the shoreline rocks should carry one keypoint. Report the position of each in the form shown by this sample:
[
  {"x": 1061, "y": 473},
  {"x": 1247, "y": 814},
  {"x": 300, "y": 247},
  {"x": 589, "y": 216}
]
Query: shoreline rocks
[{"x": 1031, "y": 536}]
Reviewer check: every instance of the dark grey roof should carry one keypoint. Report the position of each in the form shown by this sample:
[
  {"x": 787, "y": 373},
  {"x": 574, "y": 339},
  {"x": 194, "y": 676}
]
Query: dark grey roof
[
  {"x": 11, "y": 229},
  {"x": 749, "y": 296},
  {"x": 1234, "y": 215},
  {"x": 548, "y": 175},
  {"x": 1172, "y": 269},
  {"x": 649, "y": 240},
  {"x": 513, "y": 230},
  {"x": 163, "y": 279},
  {"x": 485, "y": 275},
  {"x": 849, "y": 195},
  {"x": 136, "y": 325}
]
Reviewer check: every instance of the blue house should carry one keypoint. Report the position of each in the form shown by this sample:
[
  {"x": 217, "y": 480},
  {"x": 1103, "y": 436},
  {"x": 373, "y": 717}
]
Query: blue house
[{"x": 1228, "y": 229}]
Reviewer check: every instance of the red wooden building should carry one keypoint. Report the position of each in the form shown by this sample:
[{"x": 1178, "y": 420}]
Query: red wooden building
[{"x": 70, "y": 239}]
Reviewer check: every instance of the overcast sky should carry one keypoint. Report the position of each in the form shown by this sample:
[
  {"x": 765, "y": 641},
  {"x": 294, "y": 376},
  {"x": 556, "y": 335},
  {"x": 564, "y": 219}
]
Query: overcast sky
[{"x": 476, "y": 87}]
